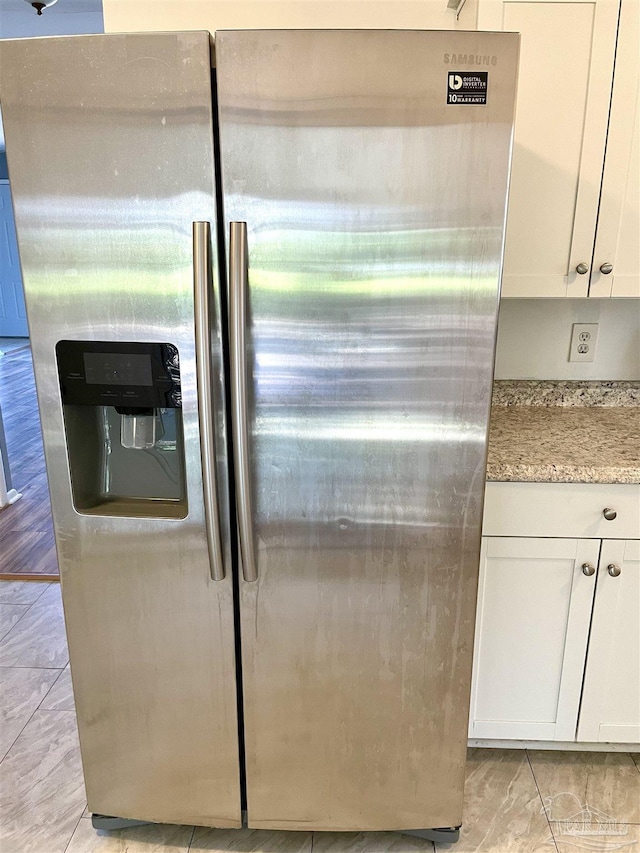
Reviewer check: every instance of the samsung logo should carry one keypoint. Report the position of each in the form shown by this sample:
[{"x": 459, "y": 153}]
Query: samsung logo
[{"x": 469, "y": 59}]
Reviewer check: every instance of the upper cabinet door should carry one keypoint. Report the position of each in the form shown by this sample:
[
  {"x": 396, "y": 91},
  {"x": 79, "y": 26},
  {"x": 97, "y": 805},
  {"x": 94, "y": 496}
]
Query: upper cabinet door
[
  {"x": 564, "y": 90},
  {"x": 618, "y": 220}
]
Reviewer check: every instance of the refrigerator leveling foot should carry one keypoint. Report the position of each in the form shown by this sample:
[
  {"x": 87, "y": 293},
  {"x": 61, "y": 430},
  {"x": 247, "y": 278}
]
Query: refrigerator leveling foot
[
  {"x": 445, "y": 834},
  {"x": 109, "y": 823}
]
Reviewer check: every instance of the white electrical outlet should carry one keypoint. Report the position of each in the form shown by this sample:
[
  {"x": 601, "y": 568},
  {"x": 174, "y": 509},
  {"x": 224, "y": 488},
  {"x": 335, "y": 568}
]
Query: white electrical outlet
[{"x": 584, "y": 337}]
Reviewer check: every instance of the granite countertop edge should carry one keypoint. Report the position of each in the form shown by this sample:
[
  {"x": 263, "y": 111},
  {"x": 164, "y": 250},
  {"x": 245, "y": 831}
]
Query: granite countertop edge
[
  {"x": 519, "y": 441},
  {"x": 561, "y": 474}
]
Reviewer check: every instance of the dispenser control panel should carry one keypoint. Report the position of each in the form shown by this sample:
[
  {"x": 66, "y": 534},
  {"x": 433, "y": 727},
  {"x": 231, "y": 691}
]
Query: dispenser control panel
[{"x": 109, "y": 373}]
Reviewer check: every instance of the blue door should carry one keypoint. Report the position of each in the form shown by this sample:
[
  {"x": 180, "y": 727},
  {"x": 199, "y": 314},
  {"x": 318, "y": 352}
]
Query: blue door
[{"x": 13, "y": 317}]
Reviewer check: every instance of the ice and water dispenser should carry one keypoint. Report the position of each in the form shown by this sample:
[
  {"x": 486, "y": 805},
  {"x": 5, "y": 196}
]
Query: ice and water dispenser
[{"x": 122, "y": 408}]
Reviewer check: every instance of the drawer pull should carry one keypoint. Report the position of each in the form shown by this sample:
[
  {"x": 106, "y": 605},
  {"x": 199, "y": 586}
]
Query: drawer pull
[
  {"x": 609, "y": 513},
  {"x": 614, "y": 570},
  {"x": 588, "y": 569}
]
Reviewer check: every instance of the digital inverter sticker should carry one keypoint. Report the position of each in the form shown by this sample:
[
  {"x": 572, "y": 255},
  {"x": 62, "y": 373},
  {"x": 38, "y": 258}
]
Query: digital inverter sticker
[{"x": 467, "y": 87}]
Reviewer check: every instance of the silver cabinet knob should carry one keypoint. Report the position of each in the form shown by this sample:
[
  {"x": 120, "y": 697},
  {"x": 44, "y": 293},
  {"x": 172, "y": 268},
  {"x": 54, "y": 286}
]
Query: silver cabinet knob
[
  {"x": 582, "y": 269},
  {"x": 614, "y": 570},
  {"x": 588, "y": 569},
  {"x": 606, "y": 269},
  {"x": 609, "y": 513}
]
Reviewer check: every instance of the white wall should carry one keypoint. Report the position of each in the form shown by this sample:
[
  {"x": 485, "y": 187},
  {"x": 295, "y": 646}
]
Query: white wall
[
  {"x": 137, "y": 15},
  {"x": 65, "y": 18},
  {"x": 534, "y": 335}
]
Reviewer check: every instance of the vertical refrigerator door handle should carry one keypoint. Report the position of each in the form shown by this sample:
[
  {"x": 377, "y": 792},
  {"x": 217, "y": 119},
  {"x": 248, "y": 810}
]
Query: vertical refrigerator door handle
[
  {"x": 202, "y": 284},
  {"x": 238, "y": 275}
]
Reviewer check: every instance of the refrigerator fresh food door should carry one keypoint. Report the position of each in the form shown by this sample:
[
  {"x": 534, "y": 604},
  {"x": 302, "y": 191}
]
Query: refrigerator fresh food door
[
  {"x": 110, "y": 148},
  {"x": 371, "y": 170}
]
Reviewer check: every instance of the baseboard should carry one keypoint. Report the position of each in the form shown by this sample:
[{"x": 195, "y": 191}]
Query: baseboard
[
  {"x": 566, "y": 745},
  {"x": 26, "y": 576},
  {"x": 12, "y": 496}
]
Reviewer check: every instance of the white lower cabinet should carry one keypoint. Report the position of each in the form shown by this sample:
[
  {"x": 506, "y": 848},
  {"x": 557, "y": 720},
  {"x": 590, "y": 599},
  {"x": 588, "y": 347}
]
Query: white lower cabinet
[
  {"x": 534, "y": 610},
  {"x": 557, "y": 654},
  {"x": 610, "y": 710}
]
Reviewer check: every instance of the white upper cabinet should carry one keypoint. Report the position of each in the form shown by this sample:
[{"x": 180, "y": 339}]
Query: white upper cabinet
[
  {"x": 564, "y": 92},
  {"x": 618, "y": 233}
]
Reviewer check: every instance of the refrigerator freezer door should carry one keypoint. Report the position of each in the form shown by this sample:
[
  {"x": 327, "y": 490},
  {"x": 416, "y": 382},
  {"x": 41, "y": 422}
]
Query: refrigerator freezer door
[
  {"x": 371, "y": 169},
  {"x": 110, "y": 148}
]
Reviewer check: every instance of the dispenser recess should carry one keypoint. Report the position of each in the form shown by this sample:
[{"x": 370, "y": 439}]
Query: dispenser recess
[{"x": 122, "y": 407}]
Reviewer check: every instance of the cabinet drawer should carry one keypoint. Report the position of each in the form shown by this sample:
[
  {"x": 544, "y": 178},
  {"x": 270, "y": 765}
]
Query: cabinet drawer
[{"x": 561, "y": 510}]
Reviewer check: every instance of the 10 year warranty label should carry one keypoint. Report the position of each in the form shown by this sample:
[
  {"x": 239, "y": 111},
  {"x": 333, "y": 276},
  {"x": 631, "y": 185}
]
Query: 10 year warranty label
[{"x": 467, "y": 87}]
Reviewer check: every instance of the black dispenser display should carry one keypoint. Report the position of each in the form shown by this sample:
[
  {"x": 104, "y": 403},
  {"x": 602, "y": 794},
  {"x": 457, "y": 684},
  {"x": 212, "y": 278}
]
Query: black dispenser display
[{"x": 122, "y": 406}]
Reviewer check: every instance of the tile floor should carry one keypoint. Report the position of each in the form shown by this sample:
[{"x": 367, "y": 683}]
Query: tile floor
[{"x": 516, "y": 801}]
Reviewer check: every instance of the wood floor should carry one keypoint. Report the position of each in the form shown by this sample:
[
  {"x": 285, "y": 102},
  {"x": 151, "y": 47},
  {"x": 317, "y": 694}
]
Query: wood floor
[{"x": 26, "y": 530}]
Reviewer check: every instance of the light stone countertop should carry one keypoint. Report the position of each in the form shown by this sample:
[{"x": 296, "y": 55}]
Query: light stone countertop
[{"x": 565, "y": 433}]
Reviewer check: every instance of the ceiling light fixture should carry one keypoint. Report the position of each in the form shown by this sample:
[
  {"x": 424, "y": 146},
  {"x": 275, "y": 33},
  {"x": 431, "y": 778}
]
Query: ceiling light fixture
[{"x": 43, "y": 4}]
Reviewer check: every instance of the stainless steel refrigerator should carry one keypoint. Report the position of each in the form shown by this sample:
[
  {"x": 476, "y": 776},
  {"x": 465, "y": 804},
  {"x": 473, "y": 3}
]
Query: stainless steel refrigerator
[{"x": 262, "y": 276}]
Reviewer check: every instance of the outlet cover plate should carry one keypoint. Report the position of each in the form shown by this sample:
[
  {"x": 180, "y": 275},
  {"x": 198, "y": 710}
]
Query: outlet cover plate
[{"x": 584, "y": 337}]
